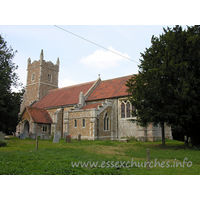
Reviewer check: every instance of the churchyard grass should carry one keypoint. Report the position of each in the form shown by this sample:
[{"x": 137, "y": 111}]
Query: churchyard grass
[{"x": 21, "y": 157}]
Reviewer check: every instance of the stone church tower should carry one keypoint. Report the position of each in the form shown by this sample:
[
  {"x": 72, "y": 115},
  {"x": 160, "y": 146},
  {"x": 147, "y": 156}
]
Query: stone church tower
[{"x": 42, "y": 76}]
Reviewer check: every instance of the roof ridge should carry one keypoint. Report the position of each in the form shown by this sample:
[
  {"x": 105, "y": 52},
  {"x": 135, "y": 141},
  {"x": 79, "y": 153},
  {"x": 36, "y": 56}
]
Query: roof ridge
[
  {"x": 71, "y": 86},
  {"x": 117, "y": 78}
]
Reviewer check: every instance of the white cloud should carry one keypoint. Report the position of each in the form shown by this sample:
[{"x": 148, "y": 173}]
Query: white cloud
[
  {"x": 66, "y": 82},
  {"x": 103, "y": 59}
]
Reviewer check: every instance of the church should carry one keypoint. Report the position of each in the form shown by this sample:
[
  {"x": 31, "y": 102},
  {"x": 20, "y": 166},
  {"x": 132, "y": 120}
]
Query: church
[{"x": 99, "y": 109}]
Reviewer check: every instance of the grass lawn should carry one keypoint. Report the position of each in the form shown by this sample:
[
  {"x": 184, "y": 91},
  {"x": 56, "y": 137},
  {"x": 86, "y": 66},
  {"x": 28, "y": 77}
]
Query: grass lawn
[{"x": 110, "y": 157}]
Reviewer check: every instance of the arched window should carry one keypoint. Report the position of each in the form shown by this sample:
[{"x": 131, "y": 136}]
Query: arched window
[
  {"x": 122, "y": 110},
  {"x": 128, "y": 110},
  {"x": 49, "y": 78},
  {"x": 106, "y": 122}
]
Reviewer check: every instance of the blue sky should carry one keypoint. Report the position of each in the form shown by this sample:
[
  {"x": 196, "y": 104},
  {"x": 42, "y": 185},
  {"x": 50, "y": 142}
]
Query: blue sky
[
  {"x": 81, "y": 61},
  {"x": 125, "y": 27}
]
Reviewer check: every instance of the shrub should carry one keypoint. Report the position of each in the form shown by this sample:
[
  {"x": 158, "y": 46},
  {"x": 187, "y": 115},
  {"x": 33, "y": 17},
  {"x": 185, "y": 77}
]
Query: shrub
[{"x": 132, "y": 138}]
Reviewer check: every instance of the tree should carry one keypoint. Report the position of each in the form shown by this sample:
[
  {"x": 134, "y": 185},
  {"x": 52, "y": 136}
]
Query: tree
[
  {"x": 9, "y": 101},
  {"x": 167, "y": 88}
]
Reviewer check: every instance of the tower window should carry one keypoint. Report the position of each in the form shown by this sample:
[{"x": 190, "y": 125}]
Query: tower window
[
  {"x": 49, "y": 77},
  {"x": 33, "y": 77}
]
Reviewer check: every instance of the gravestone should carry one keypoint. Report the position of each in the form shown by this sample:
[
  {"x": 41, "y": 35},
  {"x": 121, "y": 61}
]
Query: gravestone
[
  {"x": 2, "y": 136},
  {"x": 79, "y": 137},
  {"x": 56, "y": 137},
  {"x": 22, "y": 136},
  {"x": 65, "y": 136}
]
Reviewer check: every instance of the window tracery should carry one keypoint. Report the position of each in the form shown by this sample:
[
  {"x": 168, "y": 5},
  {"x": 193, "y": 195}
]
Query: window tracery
[
  {"x": 126, "y": 109},
  {"x": 106, "y": 122}
]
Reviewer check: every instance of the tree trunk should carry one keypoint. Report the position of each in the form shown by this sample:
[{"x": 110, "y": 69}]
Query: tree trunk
[{"x": 163, "y": 133}]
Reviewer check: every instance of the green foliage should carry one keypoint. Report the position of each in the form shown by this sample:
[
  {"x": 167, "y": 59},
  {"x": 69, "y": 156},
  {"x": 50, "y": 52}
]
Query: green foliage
[
  {"x": 9, "y": 101},
  {"x": 167, "y": 88},
  {"x": 132, "y": 138}
]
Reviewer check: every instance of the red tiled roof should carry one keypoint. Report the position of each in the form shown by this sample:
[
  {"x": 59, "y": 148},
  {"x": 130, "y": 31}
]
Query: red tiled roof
[
  {"x": 39, "y": 115},
  {"x": 63, "y": 96},
  {"x": 110, "y": 89},
  {"x": 89, "y": 106}
]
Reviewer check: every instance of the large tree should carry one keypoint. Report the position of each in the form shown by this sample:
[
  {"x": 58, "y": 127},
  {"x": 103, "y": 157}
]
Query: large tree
[
  {"x": 167, "y": 88},
  {"x": 9, "y": 101}
]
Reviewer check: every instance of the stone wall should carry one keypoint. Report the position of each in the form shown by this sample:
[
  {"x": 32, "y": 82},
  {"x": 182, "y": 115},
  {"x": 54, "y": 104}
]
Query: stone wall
[
  {"x": 33, "y": 68},
  {"x": 48, "y": 78},
  {"x": 109, "y": 106},
  {"x": 127, "y": 128},
  {"x": 87, "y": 131},
  {"x": 39, "y": 129}
]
